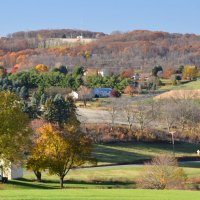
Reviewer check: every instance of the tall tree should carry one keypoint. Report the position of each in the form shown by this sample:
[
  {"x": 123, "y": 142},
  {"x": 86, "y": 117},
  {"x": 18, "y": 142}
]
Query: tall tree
[
  {"x": 57, "y": 110},
  {"x": 61, "y": 150},
  {"x": 85, "y": 94},
  {"x": 14, "y": 128}
]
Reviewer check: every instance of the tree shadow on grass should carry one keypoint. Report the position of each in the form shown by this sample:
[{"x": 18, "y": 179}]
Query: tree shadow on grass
[
  {"x": 99, "y": 184},
  {"x": 111, "y": 153},
  {"x": 53, "y": 184},
  {"x": 107, "y": 154},
  {"x": 29, "y": 184}
]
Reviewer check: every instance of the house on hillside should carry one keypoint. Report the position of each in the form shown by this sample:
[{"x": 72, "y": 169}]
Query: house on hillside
[
  {"x": 136, "y": 77},
  {"x": 104, "y": 72},
  {"x": 91, "y": 71}
]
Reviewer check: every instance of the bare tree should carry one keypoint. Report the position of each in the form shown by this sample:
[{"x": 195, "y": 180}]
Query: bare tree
[
  {"x": 144, "y": 114},
  {"x": 179, "y": 114},
  {"x": 113, "y": 110},
  {"x": 169, "y": 117},
  {"x": 126, "y": 108},
  {"x": 161, "y": 173},
  {"x": 85, "y": 94}
]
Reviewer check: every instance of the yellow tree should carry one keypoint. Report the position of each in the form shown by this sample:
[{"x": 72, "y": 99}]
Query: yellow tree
[
  {"x": 14, "y": 129},
  {"x": 60, "y": 150},
  {"x": 190, "y": 72},
  {"x": 41, "y": 68}
]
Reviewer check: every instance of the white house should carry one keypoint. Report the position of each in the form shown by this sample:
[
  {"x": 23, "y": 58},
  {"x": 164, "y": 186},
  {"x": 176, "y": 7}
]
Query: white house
[
  {"x": 104, "y": 72},
  {"x": 10, "y": 171},
  {"x": 74, "y": 95}
]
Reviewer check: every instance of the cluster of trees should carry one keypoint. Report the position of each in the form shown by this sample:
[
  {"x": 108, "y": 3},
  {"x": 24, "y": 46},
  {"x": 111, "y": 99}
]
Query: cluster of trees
[
  {"x": 59, "y": 150},
  {"x": 32, "y": 39},
  {"x": 179, "y": 117},
  {"x": 146, "y": 48},
  {"x": 58, "y": 145},
  {"x": 15, "y": 87},
  {"x": 189, "y": 72},
  {"x": 55, "y": 33},
  {"x": 56, "y": 77},
  {"x": 137, "y": 48},
  {"x": 114, "y": 82}
]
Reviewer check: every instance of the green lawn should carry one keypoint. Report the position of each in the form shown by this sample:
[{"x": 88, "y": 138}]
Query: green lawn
[
  {"x": 194, "y": 85},
  {"x": 110, "y": 177},
  {"x": 98, "y": 194},
  {"x": 127, "y": 152},
  {"x": 92, "y": 178}
]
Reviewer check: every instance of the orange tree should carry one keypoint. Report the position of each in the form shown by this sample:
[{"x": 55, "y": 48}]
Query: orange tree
[{"x": 41, "y": 68}]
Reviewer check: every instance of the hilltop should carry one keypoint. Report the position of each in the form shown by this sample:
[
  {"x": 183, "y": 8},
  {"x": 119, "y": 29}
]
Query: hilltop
[{"x": 139, "y": 49}]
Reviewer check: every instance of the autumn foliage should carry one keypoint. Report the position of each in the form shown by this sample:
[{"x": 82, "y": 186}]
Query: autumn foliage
[
  {"x": 190, "y": 72},
  {"x": 59, "y": 150},
  {"x": 129, "y": 90},
  {"x": 41, "y": 68}
]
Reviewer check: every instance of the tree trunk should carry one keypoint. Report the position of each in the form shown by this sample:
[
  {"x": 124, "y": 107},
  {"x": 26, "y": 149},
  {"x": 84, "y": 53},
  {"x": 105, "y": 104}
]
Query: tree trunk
[
  {"x": 38, "y": 174},
  {"x": 85, "y": 103},
  {"x": 61, "y": 182}
]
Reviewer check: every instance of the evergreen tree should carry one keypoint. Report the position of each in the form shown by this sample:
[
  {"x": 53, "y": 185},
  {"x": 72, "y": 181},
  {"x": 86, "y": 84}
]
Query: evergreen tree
[
  {"x": 43, "y": 99},
  {"x": 24, "y": 94},
  {"x": 56, "y": 110}
]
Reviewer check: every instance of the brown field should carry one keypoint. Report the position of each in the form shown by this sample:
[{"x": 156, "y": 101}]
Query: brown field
[{"x": 179, "y": 94}]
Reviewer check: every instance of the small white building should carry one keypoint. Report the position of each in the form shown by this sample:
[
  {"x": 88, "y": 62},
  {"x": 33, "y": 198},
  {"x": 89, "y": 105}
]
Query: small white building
[
  {"x": 104, "y": 72},
  {"x": 74, "y": 95},
  {"x": 10, "y": 171}
]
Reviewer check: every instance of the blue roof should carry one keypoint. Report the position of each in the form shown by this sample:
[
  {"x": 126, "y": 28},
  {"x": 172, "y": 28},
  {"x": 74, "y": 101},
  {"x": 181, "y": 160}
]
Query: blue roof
[{"x": 103, "y": 89}]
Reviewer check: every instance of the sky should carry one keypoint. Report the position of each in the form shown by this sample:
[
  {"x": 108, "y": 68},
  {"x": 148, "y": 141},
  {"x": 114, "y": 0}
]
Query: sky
[{"x": 177, "y": 16}]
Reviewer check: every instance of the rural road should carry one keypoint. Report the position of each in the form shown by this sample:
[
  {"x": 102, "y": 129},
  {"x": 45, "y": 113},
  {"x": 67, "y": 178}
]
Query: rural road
[{"x": 92, "y": 115}]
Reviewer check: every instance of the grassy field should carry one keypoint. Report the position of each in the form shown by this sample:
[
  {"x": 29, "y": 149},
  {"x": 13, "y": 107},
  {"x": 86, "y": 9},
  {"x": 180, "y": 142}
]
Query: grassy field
[
  {"x": 101, "y": 194},
  {"x": 129, "y": 152},
  {"x": 194, "y": 85},
  {"x": 93, "y": 178}
]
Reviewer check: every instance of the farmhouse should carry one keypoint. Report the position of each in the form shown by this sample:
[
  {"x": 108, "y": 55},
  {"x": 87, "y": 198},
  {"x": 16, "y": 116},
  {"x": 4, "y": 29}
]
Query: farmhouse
[{"x": 10, "y": 171}]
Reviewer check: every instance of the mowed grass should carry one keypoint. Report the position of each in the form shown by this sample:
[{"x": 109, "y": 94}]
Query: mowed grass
[
  {"x": 98, "y": 194},
  {"x": 113, "y": 176},
  {"x": 93, "y": 178},
  {"x": 194, "y": 85},
  {"x": 130, "y": 152}
]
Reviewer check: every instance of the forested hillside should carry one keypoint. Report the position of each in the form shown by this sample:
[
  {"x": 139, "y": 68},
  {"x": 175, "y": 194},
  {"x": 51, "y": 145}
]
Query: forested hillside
[{"x": 138, "y": 49}]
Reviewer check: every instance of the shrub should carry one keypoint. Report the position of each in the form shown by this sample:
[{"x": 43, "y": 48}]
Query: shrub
[
  {"x": 115, "y": 93},
  {"x": 162, "y": 173},
  {"x": 129, "y": 90}
]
